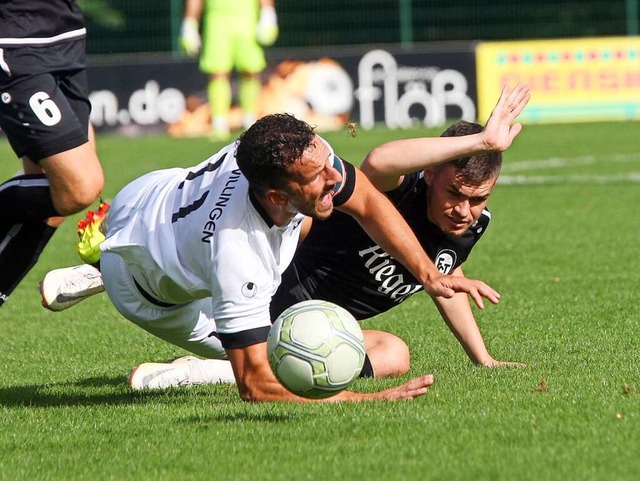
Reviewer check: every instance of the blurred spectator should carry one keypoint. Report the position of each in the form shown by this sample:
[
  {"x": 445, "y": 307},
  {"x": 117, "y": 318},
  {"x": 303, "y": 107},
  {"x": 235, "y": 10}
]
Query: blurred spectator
[{"x": 233, "y": 35}]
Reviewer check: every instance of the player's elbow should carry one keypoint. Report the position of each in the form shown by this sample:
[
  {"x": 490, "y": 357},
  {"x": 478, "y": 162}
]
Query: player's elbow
[
  {"x": 379, "y": 168},
  {"x": 371, "y": 165}
]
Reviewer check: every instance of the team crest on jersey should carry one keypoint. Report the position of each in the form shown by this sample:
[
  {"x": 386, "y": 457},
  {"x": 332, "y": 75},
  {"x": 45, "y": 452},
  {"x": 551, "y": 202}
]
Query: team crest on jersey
[
  {"x": 445, "y": 261},
  {"x": 249, "y": 289}
]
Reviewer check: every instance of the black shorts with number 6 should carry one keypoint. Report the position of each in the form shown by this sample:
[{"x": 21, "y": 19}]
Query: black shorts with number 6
[{"x": 44, "y": 98}]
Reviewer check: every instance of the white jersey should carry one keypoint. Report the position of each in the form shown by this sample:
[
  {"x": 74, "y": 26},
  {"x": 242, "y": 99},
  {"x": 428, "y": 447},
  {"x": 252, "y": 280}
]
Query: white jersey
[{"x": 188, "y": 234}]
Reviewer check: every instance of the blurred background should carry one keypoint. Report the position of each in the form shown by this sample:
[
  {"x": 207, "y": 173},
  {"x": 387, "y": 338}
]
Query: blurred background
[
  {"x": 140, "y": 26},
  {"x": 399, "y": 63}
]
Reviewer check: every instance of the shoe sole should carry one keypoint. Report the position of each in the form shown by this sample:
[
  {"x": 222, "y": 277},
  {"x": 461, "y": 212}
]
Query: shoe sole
[
  {"x": 56, "y": 306},
  {"x": 50, "y": 306}
]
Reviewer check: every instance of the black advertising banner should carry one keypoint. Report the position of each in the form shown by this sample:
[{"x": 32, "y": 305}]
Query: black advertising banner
[{"x": 369, "y": 86}]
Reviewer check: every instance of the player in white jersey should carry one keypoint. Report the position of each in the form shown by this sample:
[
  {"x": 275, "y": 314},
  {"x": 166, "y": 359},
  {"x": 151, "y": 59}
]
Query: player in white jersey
[
  {"x": 194, "y": 255},
  {"x": 213, "y": 250}
]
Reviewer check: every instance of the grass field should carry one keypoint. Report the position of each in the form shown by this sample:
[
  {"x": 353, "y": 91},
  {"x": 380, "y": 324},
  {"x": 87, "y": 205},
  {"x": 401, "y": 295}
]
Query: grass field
[{"x": 562, "y": 250}]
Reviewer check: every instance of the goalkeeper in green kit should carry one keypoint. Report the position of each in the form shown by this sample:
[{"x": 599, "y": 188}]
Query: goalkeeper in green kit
[{"x": 233, "y": 35}]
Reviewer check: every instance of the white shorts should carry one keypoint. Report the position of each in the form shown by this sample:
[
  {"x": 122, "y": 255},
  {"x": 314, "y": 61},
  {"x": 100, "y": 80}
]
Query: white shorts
[{"x": 189, "y": 326}]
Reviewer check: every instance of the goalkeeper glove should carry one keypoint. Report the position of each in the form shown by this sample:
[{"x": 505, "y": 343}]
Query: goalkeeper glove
[
  {"x": 190, "y": 37},
  {"x": 267, "y": 31}
]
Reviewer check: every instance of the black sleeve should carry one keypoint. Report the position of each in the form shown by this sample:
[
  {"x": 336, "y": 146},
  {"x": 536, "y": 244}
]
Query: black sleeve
[
  {"x": 241, "y": 339},
  {"x": 400, "y": 193}
]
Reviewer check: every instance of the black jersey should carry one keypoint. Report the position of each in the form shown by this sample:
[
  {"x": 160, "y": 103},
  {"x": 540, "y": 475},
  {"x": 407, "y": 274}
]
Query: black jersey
[
  {"x": 338, "y": 262},
  {"x": 39, "y": 22}
]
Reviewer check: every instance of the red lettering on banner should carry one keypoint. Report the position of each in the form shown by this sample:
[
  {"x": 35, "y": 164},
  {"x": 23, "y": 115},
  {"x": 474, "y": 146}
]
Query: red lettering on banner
[
  {"x": 632, "y": 79},
  {"x": 609, "y": 80},
  {"x": 553, "y": 81},
  {"x": 579, "y": 80}
]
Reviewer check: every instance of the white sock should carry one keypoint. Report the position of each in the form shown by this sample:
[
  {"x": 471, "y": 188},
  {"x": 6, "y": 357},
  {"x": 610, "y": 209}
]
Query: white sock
[{"x": 210, "y": 371}]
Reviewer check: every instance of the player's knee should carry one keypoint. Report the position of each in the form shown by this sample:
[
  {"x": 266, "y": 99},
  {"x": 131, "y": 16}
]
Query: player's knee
[
  {"x": 400, "y": 358},
  {"x": 389, "y": 355},
  {"x": 81, "y": 195}
]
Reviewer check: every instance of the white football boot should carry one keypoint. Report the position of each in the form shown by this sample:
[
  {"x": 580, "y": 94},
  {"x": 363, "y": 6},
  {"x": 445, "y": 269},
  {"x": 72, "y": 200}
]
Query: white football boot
[
  {"x": 63, "y": 288},
  {"x": 182, "y": 372}
]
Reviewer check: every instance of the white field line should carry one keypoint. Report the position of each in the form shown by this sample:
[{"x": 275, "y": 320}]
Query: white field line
[
  {"x": 559, "y": 162},
  {"x": 630, "y": 177},
  {"x": 554, "y": 162}
]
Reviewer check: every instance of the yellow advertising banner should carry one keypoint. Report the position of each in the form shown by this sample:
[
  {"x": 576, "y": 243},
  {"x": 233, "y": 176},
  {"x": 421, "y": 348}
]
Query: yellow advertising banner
[{"x": 571, "y": 80}]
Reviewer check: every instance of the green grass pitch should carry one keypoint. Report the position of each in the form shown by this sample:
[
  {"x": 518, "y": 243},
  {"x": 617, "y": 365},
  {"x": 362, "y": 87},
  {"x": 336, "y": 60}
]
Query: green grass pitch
[{"x": 562, "y": 250}]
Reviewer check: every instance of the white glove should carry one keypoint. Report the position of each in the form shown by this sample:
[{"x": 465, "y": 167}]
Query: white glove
[
  {"x": 190, "y": 37},
  {"x": 267, "y": 31}
]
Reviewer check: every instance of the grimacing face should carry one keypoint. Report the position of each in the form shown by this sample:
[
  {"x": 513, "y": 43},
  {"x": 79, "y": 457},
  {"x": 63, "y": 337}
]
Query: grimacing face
[
  {"x": 310, "y": 191},
  {"x": 453, "y": 204}
]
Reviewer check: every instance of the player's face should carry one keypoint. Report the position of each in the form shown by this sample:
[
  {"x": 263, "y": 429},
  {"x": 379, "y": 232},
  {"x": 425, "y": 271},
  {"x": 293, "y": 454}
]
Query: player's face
[
  {"x": 311, "y": 190},
  {"x": 455, "y": 205}
]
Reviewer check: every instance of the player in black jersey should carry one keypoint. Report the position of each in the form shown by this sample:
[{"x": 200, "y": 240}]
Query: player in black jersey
[
  {"x": 44, "y": 112},
  {"x": 441, "y": 187}
]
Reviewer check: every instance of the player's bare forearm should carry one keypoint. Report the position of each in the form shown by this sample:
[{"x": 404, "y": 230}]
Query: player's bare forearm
[
  {"x": 386, "y": 164},
  {"x": 463, "y": 325},
  {"x": 458, "y": 315},
  {"x": 257, "y": 383},
  {"x": 254, "y": 378}
]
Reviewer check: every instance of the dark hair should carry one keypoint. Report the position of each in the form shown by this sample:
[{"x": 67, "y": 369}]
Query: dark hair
[
  {"x": 475, "y": 168},
  {"x": 266, "y": 150}
]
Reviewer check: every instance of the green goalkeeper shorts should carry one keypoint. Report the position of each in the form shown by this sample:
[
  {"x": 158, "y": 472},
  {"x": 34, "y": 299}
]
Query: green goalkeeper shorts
[{"x": 230, "y": 42}]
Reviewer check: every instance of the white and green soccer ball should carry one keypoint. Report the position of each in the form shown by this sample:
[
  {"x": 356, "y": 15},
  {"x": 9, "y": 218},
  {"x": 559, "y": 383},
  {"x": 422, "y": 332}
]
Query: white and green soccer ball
[{"x": 316, "y": 349}]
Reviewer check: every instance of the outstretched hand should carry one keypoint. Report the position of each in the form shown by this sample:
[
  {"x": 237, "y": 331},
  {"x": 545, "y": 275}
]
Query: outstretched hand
[
  {"x": 414, "y": 388},
  {"x": 495, "y": 363},
  {"x": 446, "y": 286},
  {"x": 499, "y": 131}
]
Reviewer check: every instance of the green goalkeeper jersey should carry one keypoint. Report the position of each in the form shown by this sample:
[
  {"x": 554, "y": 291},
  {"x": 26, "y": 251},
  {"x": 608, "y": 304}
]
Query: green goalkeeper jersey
[{"x": 235, "y": 11}]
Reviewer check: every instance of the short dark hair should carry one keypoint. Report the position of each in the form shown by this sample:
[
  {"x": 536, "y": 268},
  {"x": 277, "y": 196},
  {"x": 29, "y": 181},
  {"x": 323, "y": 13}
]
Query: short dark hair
[
  {"x": 266, "y": 150},
  {"x": 475, "y": 168}
]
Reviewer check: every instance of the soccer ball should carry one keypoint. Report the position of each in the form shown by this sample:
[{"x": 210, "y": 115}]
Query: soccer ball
[{"x": 316, "y": 349}]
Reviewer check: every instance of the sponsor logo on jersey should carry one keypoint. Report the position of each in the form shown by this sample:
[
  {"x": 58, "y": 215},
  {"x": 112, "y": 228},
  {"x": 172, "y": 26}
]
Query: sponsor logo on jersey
[
  {"x": 249, "y": 290},
  {"x": 445, "y": 260},
  {"x": 384, "y": 269}
]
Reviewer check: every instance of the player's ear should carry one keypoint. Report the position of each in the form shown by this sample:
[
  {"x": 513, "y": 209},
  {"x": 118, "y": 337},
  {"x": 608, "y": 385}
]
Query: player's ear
[
  {"x": 428, "y": 176},
  {"x": 277, "y": 197}
]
